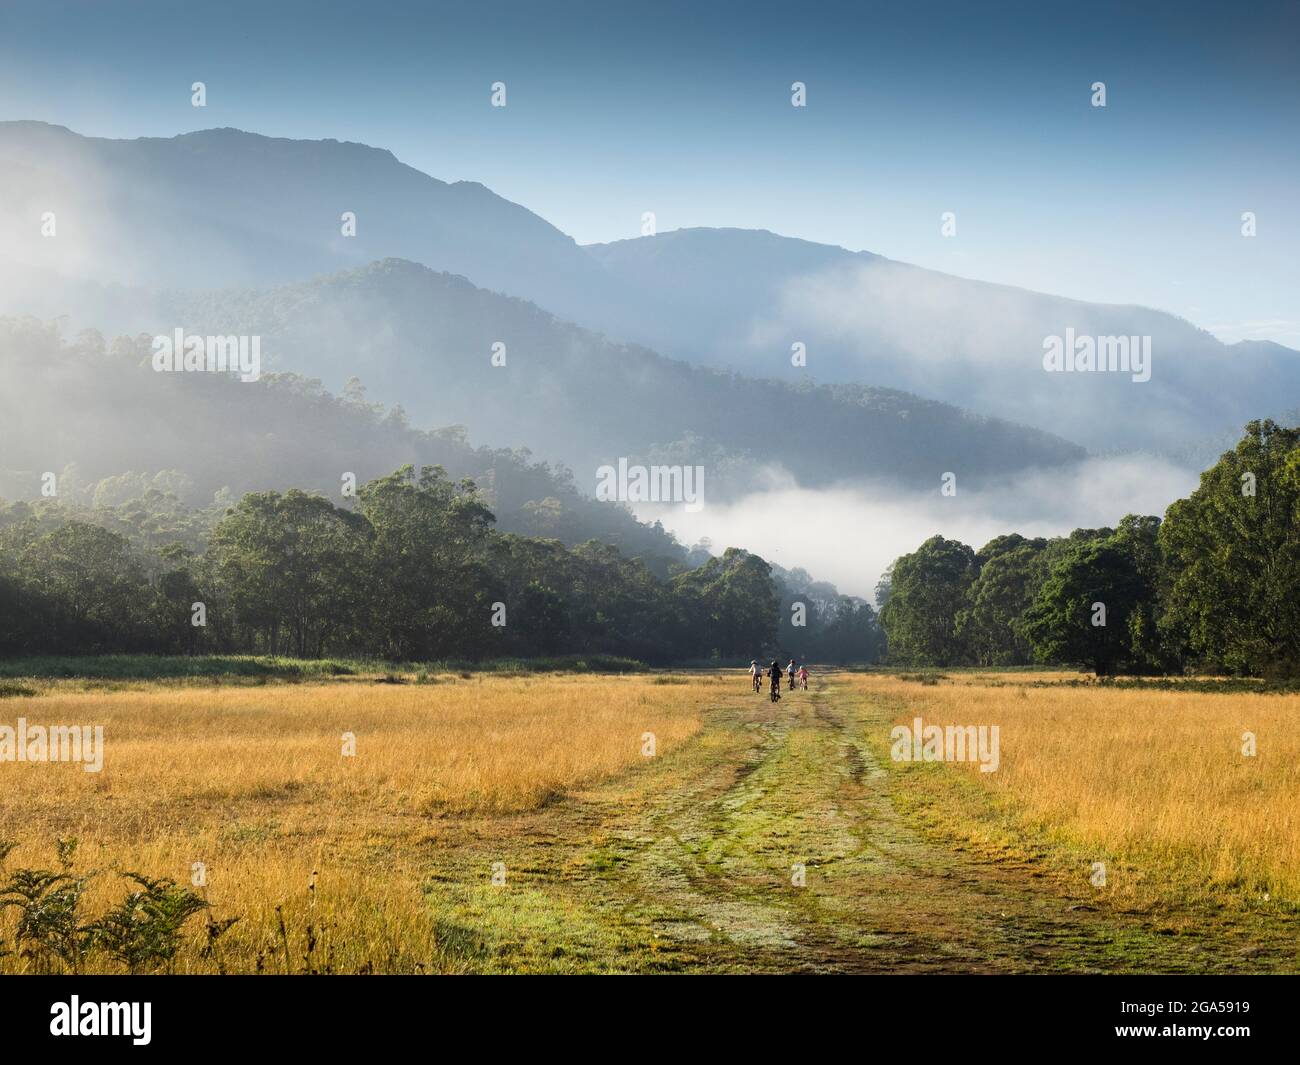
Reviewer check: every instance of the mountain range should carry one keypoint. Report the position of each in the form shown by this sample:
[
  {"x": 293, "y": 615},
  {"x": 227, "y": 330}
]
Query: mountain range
[{"x": 672, "y": 346}]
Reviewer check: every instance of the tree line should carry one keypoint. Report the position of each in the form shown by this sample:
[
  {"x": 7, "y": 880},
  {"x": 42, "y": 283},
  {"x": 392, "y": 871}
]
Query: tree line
[
  {"x": 411, "y": 569},
  {"x": 1213, "y": 586}
]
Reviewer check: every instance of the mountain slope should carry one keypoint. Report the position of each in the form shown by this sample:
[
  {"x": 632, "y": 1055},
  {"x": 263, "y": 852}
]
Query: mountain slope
[
  {"x": 741, "y": 298},
  {"x": 426, "y": 339},
  {"x": 109, "y": 427},
  {"x": 222, "y": 207}
]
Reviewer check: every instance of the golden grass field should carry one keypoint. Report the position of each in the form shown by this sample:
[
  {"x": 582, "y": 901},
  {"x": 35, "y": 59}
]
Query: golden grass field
[
  {"x": 1156, "y": 780},
  {"x": 382, "y": 861},
  {"x": 252, "y": 782}
]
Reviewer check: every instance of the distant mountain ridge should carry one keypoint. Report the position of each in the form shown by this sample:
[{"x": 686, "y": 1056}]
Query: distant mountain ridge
[
  {"x": 864, "y": 317},
  {"x": 426, "y": 339},
  {"x": 217, "y": 208},
  {"x": 225, "y": 207}
]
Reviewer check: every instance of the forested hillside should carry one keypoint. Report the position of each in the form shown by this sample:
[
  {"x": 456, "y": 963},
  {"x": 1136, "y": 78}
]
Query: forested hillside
[
  {"x": 428, "y": 339},
  {"x": 98, "y": 417},
  {"x": 737, "y": 298},
  {"x": 139, "y": 494}
]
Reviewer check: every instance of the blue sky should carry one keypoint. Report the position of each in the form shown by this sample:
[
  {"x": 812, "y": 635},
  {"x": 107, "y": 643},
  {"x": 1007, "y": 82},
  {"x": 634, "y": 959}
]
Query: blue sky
[{"x": 914, "y": 109}]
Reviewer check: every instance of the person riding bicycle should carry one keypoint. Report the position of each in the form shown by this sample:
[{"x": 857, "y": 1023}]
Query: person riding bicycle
[
  {"x": 774, "y": 674},
  {"x": 803, "y": 677},
  {"x": 790, "y": 670},
  {"x": 756, "y": 674}
]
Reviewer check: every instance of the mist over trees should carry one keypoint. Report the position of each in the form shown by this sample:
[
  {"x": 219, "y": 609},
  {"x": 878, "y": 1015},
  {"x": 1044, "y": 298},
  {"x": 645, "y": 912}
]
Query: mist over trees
[
  {"x": 96, "y": 415},
  {"x": 228, "y": 487},
  {"x": 169, "y": 491},
  {"x": 1215, "y": 585}
]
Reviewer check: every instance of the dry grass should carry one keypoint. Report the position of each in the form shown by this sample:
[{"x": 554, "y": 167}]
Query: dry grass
[
  {"x": 371, "y": 863},
  {"x": 1154, "y": 782},
  {"x": 253, "y": 783}
]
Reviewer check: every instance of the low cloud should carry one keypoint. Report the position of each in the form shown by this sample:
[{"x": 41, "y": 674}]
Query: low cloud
[{"x": 850, "y": 534}]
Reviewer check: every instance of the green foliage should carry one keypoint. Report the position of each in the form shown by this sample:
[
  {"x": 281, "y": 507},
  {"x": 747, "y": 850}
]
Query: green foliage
[
  {"x": 144, "y": 931},
  {"x": 71, "y": 584},
  {"x": 8, "y": 689},
  {"x": 1214, "y": 586},
  {"x": 1232, "y": 551},
  {"x": 836, "y": 628},
  {"x": 258, "y": 669},
  {"x": 988, "y": 627},
  {"x": 927, "y": 591},
  {"x": 928, "y": 679},
  {"x": 162, "y": 667},
  {"x": 1085, "y": 611},
  {"x": 288, "y": 567},
  {"x": 425, "y": 563},
  {"x": 1151, "y": 649},
  {"x": 730, "y": 604},
  {"x": 413, "y": 572},
  {"x": 49, "y": 928}
]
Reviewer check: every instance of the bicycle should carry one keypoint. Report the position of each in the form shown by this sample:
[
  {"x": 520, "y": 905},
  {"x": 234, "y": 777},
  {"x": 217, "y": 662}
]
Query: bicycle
[
  {"x": 776, "y": 691},
  {"x": 758, "y": 683}
]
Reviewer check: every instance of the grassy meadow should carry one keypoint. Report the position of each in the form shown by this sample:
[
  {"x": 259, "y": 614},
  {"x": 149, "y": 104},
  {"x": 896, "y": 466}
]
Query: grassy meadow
[
  {"x": 609, "y": 860},
  {"x": 252, "y": 782},
  {"x": 1154, "y": 782}
]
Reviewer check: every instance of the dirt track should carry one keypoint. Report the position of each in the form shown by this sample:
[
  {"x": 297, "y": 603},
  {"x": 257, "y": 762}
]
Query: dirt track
[{"x": 686, "y": 865}]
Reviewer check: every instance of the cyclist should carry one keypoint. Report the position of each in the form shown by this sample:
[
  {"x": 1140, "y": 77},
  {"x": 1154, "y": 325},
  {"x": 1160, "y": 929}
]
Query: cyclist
[{"x": 774, "y": 675}]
